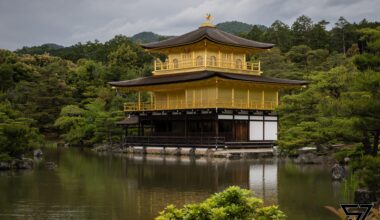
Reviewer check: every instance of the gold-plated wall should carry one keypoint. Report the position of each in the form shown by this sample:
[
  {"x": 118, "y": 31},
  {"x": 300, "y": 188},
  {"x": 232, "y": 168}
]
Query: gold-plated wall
[{"x": 211, "y": 96}]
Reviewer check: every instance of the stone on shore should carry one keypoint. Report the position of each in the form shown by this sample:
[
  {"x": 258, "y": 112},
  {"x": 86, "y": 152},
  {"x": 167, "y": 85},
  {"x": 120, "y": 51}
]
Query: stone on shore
[
  {"x": 4, "y": 165},
  {"x": 364, "y": 196},
  {"x": 338, "y": 172}
]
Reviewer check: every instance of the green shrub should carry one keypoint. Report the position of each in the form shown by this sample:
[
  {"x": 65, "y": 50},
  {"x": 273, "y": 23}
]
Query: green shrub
[
  {"x": 232, "y": 203},
  {"x": 368, "y": 171},
  {"x": 354, "y": 153}
]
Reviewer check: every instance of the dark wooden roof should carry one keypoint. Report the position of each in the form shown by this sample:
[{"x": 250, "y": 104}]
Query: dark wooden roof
[
  {"x": 194, "y": 76},
  {"x": 211, "y": 33}
]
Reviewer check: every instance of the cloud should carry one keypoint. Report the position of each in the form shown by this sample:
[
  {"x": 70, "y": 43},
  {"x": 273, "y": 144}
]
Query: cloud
[{"x": 66, "y": 22}]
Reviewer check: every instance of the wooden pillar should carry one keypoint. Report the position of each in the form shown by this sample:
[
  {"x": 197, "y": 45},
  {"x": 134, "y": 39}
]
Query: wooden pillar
[
  {"x": 233, "y": 127},
  {"x": 151, "y": 126},
  {"x": 185, "y": 99},
  {"x": 216, "y": 94},
  {"x": 245, "y": 62},
  {"x": 152, "y": 106},
  {"x": 139, "y": 128},
  {"x": 193, "y": 58},
  {"x": 248, "y": 98},
  {"x": 201, "y": 122},
  {"x": 259, "y": 67},
  {"x": 232, "y": 60},
  {"x": 193, "y": 98},
  {"x": 139, "y": 101},
  {"x": 233, "y": 97},
  {"x": 219, "y": 58},
  {"x": 142, "y": 129},
  {"x": 216, "y": 125},
  {"x": 277, "y": 99},
  {"x": 262, "y": 99},
  {"x": 205, "y": 61},
  {"x": 185, "y": 124}
]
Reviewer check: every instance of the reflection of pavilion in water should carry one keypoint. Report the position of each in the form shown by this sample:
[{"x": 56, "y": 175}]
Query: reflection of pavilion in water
[
  {"x": 263, "y": 181},
  {"x": 204, "y": 174}
]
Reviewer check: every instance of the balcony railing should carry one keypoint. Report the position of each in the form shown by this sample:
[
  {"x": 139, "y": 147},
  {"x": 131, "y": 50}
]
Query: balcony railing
[
  {"x": 212, "y": 64},
  {"x": 182, "y": 105}
]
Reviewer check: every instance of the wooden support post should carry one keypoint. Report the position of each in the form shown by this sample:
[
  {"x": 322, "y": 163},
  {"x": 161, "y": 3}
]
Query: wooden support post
[
  {"x": 232, "y": 60},
  {"x": 193, "y": 58},
  {"x": 185, "y": 124},
  {"x": 233, "y": 97},
  {"x": 142, "y": 129},
  {"x": 205, "y": 61},
  {"x": 193, "y": 98},
  {"x": 277, "y": 99},
  {"x": 152, "y": 106},
  {"x": 151, "y": 127},
  {"x": 245, "y": 62},
  {"x": 233, "y": 127},
  {"x": 262, "y": 99},
  {"x": 259, "y": 68},
  {"x": 138, "y": 128},
  {"x": 185, "y": 98},
  {"x": 248, "y": 99},
  {"x": 216, "y": 94},
  {"x": 139, "y": 101},
  {"x": 216, "y": 125},
  {"x": 219, "y": 58}
]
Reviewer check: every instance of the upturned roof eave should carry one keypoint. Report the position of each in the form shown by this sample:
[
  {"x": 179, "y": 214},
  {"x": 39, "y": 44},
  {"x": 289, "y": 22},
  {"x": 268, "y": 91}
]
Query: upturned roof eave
[
  {"x": 147, "y": 47},
  {"x": 204, "y": 76}
]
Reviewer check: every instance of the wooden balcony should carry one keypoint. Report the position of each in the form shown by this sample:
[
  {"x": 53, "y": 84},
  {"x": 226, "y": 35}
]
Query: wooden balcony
[
  {"x": 190, "y": 65},
  {"x": 183, "y": 105}
]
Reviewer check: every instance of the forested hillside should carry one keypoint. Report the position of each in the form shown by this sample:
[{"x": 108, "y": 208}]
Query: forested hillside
[
  {"x": 63, "y": 94},
  {"x": 236, "y": 27}
]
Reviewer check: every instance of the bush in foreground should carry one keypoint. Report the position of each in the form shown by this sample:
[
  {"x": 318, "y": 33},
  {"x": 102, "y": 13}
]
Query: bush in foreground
[{"x": 232, "y": 203}]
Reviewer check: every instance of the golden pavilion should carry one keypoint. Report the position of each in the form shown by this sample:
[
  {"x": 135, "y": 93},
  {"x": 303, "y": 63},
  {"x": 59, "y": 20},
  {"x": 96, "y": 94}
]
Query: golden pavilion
[{"x": 206, "y": 93}]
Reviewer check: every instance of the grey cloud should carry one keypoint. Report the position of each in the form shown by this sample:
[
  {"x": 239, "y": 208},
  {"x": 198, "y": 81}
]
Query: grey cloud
[{"x": 27, "y": 22}]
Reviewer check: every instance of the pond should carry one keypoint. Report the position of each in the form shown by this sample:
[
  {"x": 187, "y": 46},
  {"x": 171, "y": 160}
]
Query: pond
[{"x": 87, "y": 185}]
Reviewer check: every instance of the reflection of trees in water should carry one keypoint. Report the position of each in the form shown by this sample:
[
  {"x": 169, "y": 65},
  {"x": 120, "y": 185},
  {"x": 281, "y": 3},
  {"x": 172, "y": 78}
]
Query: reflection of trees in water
[
  {"x": 303, "y": 190},
  {"x": 89, "y": 186}
]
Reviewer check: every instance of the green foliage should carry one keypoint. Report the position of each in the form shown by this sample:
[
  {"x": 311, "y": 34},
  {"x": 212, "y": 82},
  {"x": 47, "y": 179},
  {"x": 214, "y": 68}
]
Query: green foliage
[
  {"x": 314, "y": 116},
  {"x": 370, "y": 59},
  {"x": 17, "y": 137},
  {"x": 89, "y": 125},
  {"x": 41, "y": 85},
  {"x": 44, "y": 48},
  {"x": 304, "y": 31},
  {"x": 369, "y": 172},
  {"x": 235, "y": 27},
  {"x": 354, "y": 152},
  {"x": 232, "y": 203},
  {"x": 147, "y": 37}
]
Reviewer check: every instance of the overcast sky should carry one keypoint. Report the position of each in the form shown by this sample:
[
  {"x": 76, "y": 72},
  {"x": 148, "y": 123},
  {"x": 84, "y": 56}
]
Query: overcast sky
[{"x": 66, "y": 22}]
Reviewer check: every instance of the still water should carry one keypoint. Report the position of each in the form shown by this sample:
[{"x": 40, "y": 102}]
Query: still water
[{"x": 90, "y": 186}]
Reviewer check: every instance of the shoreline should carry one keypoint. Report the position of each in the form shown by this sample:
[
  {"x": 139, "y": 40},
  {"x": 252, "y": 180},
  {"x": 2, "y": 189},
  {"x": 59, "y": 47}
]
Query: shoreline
[
  {"x": 230, "y": 154},
  {"x": 17, "y": 164}
]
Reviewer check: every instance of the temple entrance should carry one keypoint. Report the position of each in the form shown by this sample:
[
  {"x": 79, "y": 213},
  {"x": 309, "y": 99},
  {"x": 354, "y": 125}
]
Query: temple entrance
[{"x": 241, "y": 130}]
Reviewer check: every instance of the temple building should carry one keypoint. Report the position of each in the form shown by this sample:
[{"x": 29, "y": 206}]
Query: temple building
[{"x": 206, "y": 93}]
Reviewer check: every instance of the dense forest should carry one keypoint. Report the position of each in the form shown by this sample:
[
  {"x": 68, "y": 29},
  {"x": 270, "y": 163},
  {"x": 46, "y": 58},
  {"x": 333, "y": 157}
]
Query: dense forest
[{"x": 51, "y": 92}]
